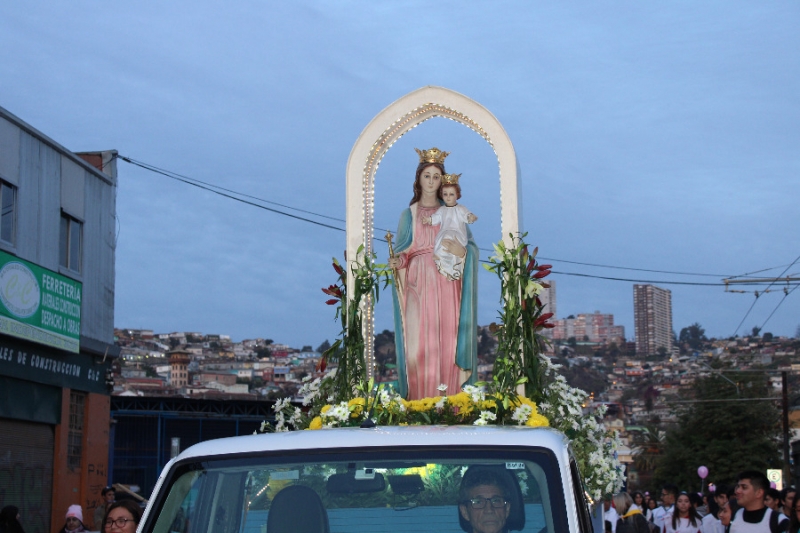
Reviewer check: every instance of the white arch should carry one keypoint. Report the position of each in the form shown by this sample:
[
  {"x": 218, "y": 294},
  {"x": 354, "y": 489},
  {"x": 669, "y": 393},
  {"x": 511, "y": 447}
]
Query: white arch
[{"x": 384, "y": 130}]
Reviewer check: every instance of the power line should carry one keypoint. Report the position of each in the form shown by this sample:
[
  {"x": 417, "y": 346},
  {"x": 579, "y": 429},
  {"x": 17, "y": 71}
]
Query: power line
[
  {"x": 757, "y": 296},
  {"x": 785, "y": 295},
  {"x": 211, "y": 188},
  {"x": 242, "y": 197}
]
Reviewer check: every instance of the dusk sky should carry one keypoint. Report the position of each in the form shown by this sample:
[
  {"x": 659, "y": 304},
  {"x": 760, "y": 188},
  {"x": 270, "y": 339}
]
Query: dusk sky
[{"x": 655, "y": 140}]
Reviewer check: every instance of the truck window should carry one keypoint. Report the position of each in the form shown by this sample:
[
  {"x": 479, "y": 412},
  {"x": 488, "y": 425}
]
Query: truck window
[{"x": 364, "y": 491}]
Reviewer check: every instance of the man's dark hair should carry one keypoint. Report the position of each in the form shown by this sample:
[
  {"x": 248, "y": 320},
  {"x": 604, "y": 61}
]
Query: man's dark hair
[
  {"x": 695, "y": 499},
  {"x": 484, "y": 476},
  {"x": 504, "y": 480},
  {"x": 757, "y": 479},
  {"x": 775, "y": 494},
  {"x": 724, "y": 489},
  {"x": 106, "y": 490},
  {"x": 671, "y": 489}
]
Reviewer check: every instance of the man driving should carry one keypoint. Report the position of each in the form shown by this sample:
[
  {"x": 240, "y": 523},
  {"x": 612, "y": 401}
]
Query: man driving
[{"x": 484, "y": 504}]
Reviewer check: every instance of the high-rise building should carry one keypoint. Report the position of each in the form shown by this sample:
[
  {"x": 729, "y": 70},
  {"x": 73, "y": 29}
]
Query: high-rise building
[{"x": 652, "y": 316}]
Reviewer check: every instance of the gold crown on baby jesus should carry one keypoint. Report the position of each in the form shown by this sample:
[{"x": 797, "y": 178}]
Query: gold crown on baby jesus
[
  {"x": 434, "y": 155},
  {"x": 450, "y": 179}
]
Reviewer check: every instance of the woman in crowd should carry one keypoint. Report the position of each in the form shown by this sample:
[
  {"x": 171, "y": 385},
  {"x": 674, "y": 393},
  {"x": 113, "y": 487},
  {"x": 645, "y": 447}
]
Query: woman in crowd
[
  {"x": 9, "y": 520},
  {"x": 651, "y": 506},
  {"x": 638, "y": 501},
  {"x": 122, "y": 517},
  {"x": 794, "y": 518},
  {"x": 73, "y": 522},
  {"x": 725, "y": 516},
  {"x": 631, "y": 520},
  {"x": 684, "y": 518}
]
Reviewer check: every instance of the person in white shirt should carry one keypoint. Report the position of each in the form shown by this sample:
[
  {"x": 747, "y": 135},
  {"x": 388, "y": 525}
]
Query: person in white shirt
[
  {"x": 684, "y": 518},
  {"x": 754, "y": 516},
  {"x": 668, "y": 494},
  {"x": 610, "y": 513},
  {"x": 788, "y": 501},
  {"x": 638, "y": 501},
  {"x": 711, "y": 520}
]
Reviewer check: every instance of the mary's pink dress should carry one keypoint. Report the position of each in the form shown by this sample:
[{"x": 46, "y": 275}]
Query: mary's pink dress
[{"x": 432, "y": 312}]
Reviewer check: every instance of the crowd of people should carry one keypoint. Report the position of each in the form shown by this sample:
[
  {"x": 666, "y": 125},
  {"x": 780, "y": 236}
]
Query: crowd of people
[
  {"x": 750, "y": 506},
  {"x": 111, "y": 517}
]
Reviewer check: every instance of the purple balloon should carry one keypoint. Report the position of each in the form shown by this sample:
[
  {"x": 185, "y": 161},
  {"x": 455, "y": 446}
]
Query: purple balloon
[
  {"x": 772, "y": 485},
  {"x": 712, "y": 487},
  {"x": 702, "y": 472}
]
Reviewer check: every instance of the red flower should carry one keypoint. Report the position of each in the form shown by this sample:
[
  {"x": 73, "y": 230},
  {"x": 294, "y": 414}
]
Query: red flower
[
  {"x": 332, "y": 302},
  {"x": 541, "y": 274},
  {"x": 531, "y": 265},
  {"x": 333, "y": 290},
  {"x": 543, "y": 318},
  {"x": 339, "y": 270},
  {"x": 544, "y": 267},
  {"x": 322, "y": 365}
]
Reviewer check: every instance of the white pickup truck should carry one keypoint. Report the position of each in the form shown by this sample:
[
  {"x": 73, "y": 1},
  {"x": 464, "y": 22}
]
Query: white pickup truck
[{"x": 375, "y": 480}]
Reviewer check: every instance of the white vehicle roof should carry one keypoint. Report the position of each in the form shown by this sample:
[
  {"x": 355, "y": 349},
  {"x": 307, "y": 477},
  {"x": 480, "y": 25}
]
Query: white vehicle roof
[{"x": 384, "y": 437}]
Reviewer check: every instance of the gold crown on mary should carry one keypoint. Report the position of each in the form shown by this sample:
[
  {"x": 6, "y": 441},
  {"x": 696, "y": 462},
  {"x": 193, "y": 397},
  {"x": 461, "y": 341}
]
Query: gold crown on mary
[
  {"x": 434, "y": 155},
  {"x": 450, "y": 179}
]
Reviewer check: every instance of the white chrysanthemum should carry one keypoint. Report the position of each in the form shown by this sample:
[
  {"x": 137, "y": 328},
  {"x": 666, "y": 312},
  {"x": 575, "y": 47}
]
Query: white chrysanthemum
[
  {"x": 476, "y": 394},
  {"x": 522, "y": 414}
]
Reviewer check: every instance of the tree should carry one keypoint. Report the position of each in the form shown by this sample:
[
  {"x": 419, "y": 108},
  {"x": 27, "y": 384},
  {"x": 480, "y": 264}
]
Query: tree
[
  {"x": 572, "y": 342},
  {"x": 726, "y": 436},
  {"x": 693, "y": 335},
  {"x": 648, "y": 444},
  {"x": 307, "y": 348},
  {"x": 756, "y": 330},
  {"x": 768, "y": 337},
  {"x": 324, "y": 346}
]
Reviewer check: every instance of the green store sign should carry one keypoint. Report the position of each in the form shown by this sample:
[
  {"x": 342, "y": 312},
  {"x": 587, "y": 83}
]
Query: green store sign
[{"x": 39, "y": 305}]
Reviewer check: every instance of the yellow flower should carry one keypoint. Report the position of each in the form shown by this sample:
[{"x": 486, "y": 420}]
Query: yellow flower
[
  {"x": 462, "y": 401},
  {"x": 356, "y": 406},
  {"x": 537, "y": 420},
  {"x": 487, "y": 404},
  {"x": 326, "y": 408},
  {"x": 316, "y": 423}
]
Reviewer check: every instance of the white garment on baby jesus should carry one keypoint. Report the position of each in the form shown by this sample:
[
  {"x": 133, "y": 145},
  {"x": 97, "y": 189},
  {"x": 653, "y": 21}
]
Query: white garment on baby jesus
[{"x": 454, "y": 226}]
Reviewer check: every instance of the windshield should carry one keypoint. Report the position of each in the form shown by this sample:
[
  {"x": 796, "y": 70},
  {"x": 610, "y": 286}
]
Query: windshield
[{"x": 373, "y": 490}]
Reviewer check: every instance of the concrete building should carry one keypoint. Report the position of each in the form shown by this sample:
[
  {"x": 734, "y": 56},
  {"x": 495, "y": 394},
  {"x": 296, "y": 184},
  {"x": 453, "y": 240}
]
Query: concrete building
[
  {"x": 592, "y": 327},
  {"x": 57, "y": 241},
  {"x": 652, "y": 317},
  {"x": 179, "y": 368}
]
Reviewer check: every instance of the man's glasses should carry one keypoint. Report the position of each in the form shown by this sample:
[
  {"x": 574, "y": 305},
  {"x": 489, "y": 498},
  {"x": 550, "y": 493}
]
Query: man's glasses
[
  {"x": 479, "y": 503},
  {"x": 119, "y": 522}
]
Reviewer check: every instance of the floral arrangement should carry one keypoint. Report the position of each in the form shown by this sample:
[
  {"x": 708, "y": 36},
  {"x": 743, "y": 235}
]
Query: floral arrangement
[{"x": 526, "y": 389}]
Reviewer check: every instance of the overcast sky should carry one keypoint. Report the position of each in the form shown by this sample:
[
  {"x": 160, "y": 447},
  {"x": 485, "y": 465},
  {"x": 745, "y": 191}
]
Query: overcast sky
[{"x": 663, "y": 137}]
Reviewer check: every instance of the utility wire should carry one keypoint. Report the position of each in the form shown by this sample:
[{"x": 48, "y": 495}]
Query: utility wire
[
  {"x": 785, "y": 295},
  {"x": 211, "y": 188},
  {"x": 242, "y": 197},
  {"x": 768, "y": 286}
]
